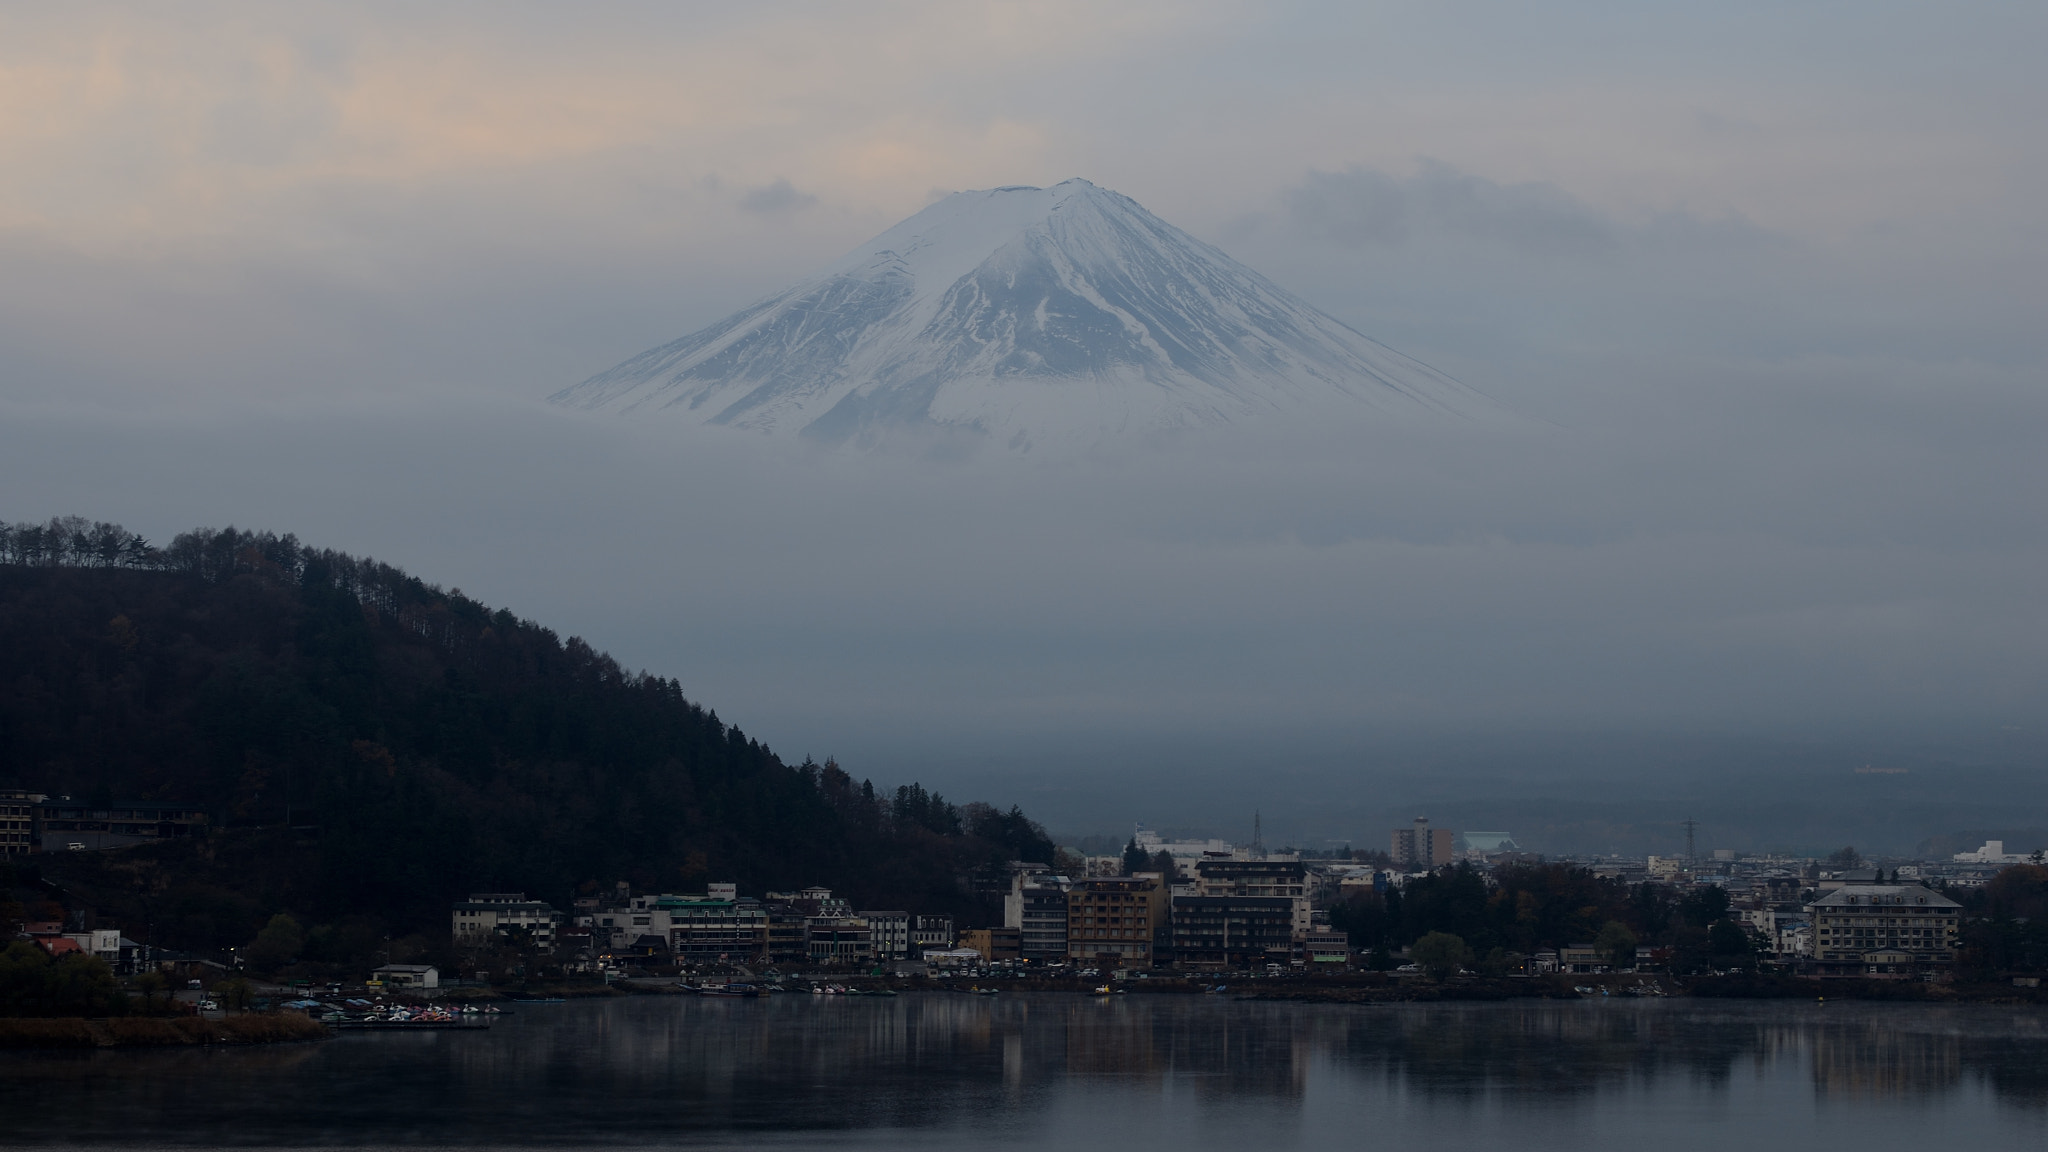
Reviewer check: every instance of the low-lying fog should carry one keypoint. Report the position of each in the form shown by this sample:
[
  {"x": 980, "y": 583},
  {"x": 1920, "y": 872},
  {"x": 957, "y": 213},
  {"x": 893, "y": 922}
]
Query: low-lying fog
[{"x": 1581, "y": 630}]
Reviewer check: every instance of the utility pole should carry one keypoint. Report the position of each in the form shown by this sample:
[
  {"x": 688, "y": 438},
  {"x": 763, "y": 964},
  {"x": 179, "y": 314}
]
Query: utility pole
[{"x": 1692, "y": 858}]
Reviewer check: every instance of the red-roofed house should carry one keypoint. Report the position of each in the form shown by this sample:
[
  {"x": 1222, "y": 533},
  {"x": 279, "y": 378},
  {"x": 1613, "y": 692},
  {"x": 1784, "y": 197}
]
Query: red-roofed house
[{"x": 60, "y": 945}]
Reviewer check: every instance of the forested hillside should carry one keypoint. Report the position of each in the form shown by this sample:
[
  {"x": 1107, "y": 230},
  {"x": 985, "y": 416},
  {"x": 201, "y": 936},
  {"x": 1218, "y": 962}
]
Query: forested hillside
[{"x": 374, "y": 745}]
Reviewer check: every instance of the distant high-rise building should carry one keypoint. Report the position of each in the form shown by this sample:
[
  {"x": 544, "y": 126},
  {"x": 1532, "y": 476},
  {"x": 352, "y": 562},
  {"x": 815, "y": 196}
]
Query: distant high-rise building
[
  {"x": 1267, "y": 879},
  {"x": 1037, "y": 907},
  {"x": 1421, "y": 847}
]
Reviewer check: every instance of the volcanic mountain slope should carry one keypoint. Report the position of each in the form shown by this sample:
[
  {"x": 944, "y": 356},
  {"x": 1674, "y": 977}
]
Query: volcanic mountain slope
[{"x": 1024, "y": 316}]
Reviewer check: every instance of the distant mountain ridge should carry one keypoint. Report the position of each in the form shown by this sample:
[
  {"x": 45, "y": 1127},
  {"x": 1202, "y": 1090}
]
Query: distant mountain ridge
[{"x": 1021, "y": 316}]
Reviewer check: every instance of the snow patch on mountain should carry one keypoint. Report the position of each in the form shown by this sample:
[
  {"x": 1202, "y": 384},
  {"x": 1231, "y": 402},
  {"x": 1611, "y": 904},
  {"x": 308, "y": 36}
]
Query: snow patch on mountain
[{"x": 1022, "y": 316}]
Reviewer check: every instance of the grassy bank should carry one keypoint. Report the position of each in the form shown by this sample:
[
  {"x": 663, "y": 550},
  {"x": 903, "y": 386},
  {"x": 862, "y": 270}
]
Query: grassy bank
[{"x": 158, "y": 1032}]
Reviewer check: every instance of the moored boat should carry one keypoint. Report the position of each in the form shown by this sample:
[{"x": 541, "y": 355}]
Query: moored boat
[{"x": 727, "y": 991}]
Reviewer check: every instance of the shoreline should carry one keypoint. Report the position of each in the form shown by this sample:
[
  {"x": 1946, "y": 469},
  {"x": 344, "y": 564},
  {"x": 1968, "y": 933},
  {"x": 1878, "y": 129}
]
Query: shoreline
[
  {"x": 1649, "y": 987},
  {"x": 79, "y": 1033},
  {"x": 1370, "y": 989},
  {"x": 1366, "y": 988}
]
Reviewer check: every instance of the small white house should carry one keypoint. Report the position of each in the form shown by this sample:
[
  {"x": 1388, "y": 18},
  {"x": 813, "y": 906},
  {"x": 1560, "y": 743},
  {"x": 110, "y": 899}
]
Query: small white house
[{"x": 408, "y": 976}]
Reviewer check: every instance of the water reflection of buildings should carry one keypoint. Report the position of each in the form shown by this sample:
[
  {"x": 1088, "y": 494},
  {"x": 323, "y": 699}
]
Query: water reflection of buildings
[
  {"x": 715, "y": 1056},
  {"x": 1224, "y": 1049},
  {"x": 1558, "y": 1053},
  {"x": 1550, "y": 1052},
  {"x": 1902, "y": 1051},
  {"x": 1137, "y": 1070},
  {"x": 1873, "y": 1059},
  {"x": 935, "y": 1061},
  {"x": 957, "y": 1054}
]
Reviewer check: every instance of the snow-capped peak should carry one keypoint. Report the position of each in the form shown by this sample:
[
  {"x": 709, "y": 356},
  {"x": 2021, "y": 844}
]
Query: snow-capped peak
[{"x": 1026, "y": 316}]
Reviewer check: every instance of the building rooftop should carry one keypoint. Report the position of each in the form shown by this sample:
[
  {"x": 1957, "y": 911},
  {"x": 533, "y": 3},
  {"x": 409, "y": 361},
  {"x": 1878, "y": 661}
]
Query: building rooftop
[
  {"x": 1905, "y": 895},
  {"x": 495, "y": 905}
]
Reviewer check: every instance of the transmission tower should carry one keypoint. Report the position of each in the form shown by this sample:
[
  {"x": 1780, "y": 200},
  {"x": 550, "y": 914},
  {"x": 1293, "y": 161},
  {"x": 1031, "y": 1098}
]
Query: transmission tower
[{"x": 1692, "y": 858}]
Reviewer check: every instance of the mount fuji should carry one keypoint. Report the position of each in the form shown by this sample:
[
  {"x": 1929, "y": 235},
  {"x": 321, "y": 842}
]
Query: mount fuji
[{"x": 1023, "y": 317}]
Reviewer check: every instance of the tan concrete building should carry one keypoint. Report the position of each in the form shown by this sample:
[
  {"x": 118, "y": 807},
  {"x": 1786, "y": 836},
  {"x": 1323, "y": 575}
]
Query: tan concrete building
[
  {"x": 1117, "y": 920},
  {"x": 1421, "y": 848},
  {"x": 994, "y": 944}
]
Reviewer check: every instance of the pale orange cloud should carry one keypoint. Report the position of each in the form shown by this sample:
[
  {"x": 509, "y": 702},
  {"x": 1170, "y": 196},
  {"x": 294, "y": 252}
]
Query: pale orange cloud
[{"x": 134, "y": 128}]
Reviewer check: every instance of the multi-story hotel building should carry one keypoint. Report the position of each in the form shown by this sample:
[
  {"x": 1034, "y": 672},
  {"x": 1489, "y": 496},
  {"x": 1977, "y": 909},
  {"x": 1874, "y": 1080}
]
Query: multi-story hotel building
[
  {"x": 1268, "y": 878},
  {"x": 1117, "y": 920},
  {"x": 1232, "y": 931},
  {"x": 1883, "y": 929}
]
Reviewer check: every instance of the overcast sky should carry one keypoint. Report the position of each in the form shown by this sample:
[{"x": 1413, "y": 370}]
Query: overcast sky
[{"x": 1766, "y": 280}]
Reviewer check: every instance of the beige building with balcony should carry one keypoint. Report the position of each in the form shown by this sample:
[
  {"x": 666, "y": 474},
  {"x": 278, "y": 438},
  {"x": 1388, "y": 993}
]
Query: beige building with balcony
[{"x": 1883, "y": 930}]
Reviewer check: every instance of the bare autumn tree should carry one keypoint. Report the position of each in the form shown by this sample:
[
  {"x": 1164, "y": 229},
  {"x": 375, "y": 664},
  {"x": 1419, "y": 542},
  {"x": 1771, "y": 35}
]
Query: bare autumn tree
[{"x": 74, "y": 542}]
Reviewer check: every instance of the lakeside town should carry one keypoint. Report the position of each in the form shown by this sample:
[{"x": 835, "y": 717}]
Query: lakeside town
[
  {"x": 1210, "y": 906},
  {"x": 1435, "y": 905}
]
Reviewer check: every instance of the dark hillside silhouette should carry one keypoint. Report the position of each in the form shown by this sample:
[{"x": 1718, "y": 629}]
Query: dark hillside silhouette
[{"x": 373, "y": 745}]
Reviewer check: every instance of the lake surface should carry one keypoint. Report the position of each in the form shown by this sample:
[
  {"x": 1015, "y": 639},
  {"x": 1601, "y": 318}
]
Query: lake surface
[{"x": 1051, "y": 1071}]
